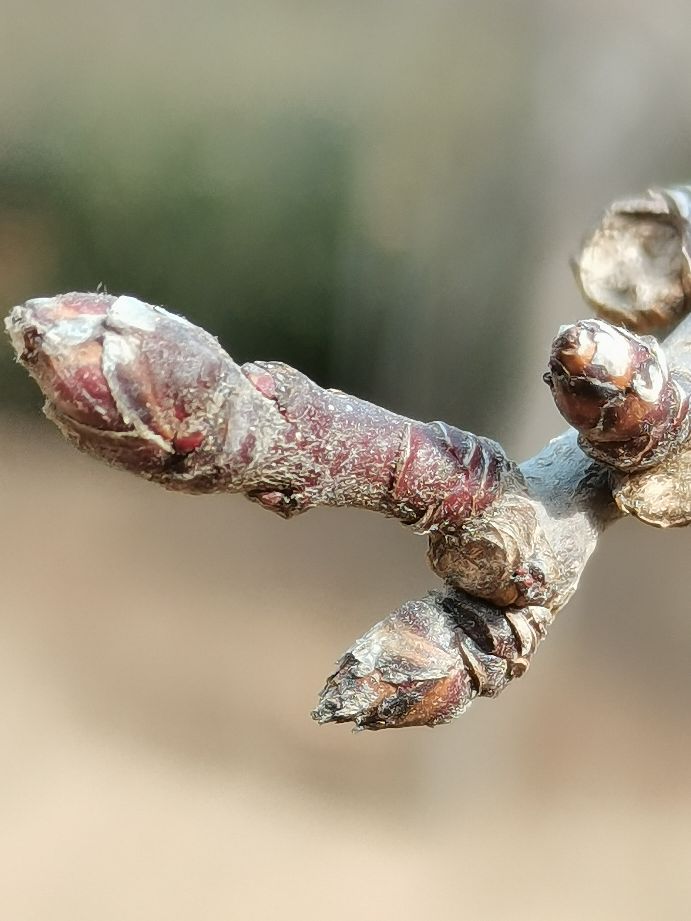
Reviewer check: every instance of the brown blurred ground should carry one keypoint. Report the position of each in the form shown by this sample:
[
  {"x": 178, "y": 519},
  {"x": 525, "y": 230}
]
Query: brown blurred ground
[
  {"x": 409, "y": 181},
  {"x": 158, "y": 659}
]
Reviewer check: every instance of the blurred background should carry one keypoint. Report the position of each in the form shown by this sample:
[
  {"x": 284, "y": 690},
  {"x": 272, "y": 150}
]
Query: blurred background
[{"x": 386, "y": 195}]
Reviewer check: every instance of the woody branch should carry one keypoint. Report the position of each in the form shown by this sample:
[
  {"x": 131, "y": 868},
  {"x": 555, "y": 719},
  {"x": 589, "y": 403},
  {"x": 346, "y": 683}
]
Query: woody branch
[{"x": 149, "y": 392}]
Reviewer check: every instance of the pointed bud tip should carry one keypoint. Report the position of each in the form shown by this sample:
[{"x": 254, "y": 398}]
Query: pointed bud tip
[
  {"x": 406, "y": 671},
  {"x": 130, "y": 383},
  {"x": 59, "y": 342}
]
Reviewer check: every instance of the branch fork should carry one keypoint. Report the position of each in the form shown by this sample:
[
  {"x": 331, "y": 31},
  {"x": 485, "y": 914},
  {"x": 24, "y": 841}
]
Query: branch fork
[{"x": 147, "y": 391}]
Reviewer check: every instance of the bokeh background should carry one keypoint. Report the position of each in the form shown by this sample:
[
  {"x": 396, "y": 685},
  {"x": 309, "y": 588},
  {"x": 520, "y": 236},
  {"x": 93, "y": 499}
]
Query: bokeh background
[{"x": 386, "y": 195}]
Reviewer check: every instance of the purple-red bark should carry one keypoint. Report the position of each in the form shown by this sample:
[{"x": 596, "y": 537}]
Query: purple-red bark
[{"x": 149, "y": 392}]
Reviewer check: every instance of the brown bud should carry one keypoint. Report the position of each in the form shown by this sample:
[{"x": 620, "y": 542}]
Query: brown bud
[
  {"x": 634, "y": 268},
  {"x": 426, "y": 662},
  {"x": 616, "y": 390},
  {"x": 406, "y": 671}
]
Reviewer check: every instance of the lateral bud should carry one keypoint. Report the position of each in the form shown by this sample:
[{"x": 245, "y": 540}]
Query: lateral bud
[
  {"x": 615, "y": 388},
  {"x": 634, "y": 268},
  {"x": 425, "y": 663}
]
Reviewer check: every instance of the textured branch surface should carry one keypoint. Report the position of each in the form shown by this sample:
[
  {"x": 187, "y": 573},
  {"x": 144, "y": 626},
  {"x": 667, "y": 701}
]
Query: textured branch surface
[{"x": 149, "y": 392}]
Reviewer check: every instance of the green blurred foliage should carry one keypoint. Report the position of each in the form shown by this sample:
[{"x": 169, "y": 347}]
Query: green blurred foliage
[
  {"x": 347, "y": 190},
  {"x": 233, "y": 222},
  {"x": 244, "y": 223}
]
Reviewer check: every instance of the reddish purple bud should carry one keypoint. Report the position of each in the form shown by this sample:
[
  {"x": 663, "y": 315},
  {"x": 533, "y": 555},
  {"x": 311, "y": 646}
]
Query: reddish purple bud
[
  {"x": 128, "y": 382},
  {"x": 616, "y": 390},
  {"x": 60, "y": 342},
  {"x": 149, "y": 392}
]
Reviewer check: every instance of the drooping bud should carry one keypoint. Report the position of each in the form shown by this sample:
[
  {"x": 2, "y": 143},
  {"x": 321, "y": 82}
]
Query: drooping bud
[
  {"x": 406, "y": 671},
  {"x": 426, "y": 662},
  {"x": 634, "y": 268},
  {"x": 616, "y": 390}
]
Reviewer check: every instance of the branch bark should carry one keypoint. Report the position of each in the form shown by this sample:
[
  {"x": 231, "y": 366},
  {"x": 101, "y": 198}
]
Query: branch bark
[{"x": 149, "y": 392}]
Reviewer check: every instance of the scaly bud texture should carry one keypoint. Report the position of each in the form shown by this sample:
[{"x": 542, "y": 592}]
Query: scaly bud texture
[
  {"x": 147, "y": 391},
  {"x": 616, "y": 390},
  {"x": 634, "y": 267},
  {"x": 426, "y": 662}
]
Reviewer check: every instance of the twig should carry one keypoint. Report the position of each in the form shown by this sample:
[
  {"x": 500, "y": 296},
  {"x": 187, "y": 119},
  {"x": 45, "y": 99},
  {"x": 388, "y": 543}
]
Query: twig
[{"x": 149, "y": 392}]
